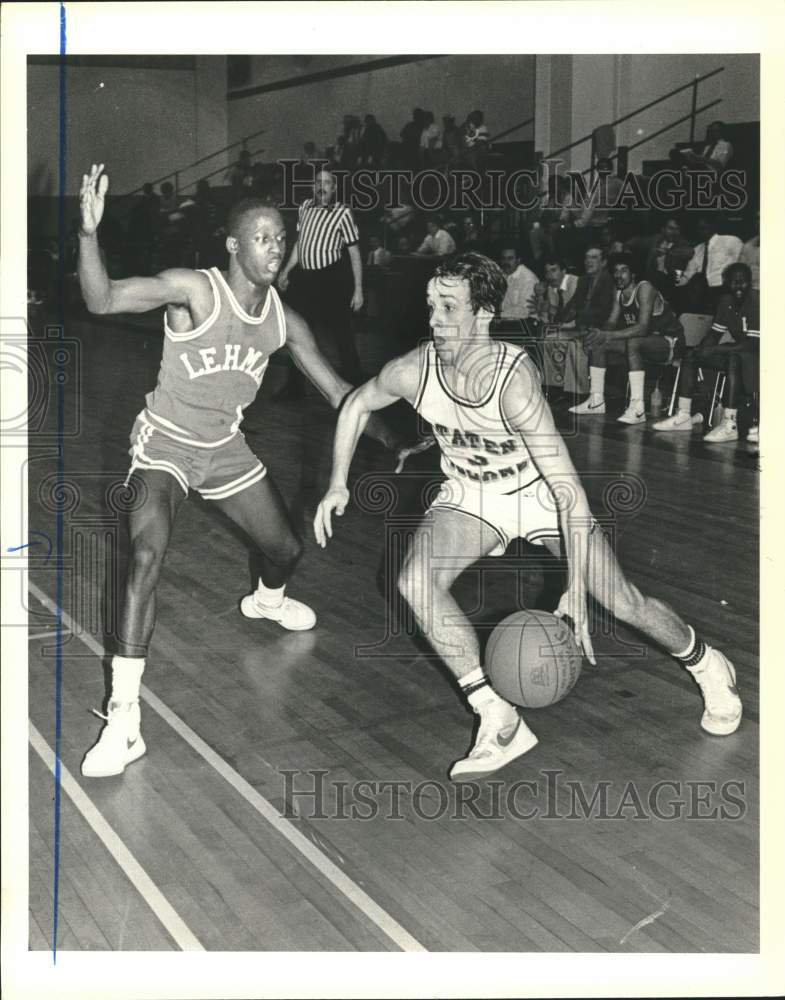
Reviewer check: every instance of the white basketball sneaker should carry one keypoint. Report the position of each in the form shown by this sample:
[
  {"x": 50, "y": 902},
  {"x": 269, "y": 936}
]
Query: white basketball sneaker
[
  {"x": 589, "y": 407},
  {"x": 680, "y": 421},
  {"x": 119, "y": 744},
  {"x": 290, "y": 614},
  {"x": 634, "y": 414},
  {"x": 716, "y": 678},
  {"x": 497, "y": 744},
  {"x": 726, "y": 430}
]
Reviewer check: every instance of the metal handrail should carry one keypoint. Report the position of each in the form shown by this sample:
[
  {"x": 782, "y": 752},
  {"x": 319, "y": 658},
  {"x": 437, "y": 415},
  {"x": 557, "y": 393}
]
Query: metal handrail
[
  {"x": 507, "y": 131},
  {"x": 666, "y": 128},
  {"x": 644, "y": 107},
  {"x": 180, "y": 170}
]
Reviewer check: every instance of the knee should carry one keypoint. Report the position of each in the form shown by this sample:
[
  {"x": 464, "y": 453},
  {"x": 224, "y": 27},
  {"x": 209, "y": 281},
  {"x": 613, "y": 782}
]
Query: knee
[
  {"x": 288, "y": 552},
  {"x": 417, "y": 582}
]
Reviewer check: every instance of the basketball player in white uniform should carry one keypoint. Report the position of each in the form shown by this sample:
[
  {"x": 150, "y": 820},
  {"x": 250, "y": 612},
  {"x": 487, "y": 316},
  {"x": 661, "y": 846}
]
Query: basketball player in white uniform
[
  {"x": 508, "y": 475},
  {"x": 219, "y": 332}
]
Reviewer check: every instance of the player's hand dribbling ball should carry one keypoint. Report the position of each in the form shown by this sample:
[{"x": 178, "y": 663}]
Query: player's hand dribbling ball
[{"x": 532, "y": 659}]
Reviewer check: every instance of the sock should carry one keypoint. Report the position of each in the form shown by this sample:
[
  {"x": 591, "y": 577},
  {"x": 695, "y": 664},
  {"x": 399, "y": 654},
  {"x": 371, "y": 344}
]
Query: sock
[
  {"x": 597, "y": 384},
  {"x": 477, "y": 688},
  {"x": 730, "y": 415},
  {"x": 269, "y": 597},
  {"x": 126, "y": 678},
  {"x": 694, "y": 653},
  {"x": 685, "y": 405},
  {"x": 636, "y": 387}
]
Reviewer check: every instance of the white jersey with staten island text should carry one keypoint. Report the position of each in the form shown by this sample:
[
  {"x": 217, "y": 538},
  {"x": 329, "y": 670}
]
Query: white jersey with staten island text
[{"x": 477, "y": 443}]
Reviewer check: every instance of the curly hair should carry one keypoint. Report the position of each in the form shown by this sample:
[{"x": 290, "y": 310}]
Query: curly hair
[
  {"x": 738, "y": 268},
  {"x": 487, "y": 282}
]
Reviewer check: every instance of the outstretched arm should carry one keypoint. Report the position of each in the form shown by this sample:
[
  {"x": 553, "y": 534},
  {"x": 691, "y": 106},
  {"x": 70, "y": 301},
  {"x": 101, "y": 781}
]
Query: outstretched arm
[
  {"x": 102, "y": 295},
  {"x": 397, "y": 380},
  {"x": 527, "y": 412},
  {"x": 318, "y": 370}
]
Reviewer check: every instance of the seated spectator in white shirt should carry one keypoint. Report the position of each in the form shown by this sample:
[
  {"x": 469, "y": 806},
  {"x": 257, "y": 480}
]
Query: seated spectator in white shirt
[
  {"x": 521, "y": 282},
  {"x": 705, "y": 269},
  {"x": 438, "y": 241},
  {"x": 377, "y": 255}
]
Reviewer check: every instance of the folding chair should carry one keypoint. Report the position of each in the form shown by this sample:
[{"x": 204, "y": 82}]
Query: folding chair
[{"x": 696, "y": 326}]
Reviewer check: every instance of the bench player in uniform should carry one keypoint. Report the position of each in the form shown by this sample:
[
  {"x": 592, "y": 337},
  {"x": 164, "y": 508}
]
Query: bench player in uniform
[
  {"x": 641, "y": 327},
  {"x": 508, "y": 475},
  {"x": 220, "y": 330}
]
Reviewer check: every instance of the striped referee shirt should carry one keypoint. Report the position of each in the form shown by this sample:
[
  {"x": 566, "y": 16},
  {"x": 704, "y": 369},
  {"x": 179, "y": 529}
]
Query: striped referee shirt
[{"x": 323, "y": 232}]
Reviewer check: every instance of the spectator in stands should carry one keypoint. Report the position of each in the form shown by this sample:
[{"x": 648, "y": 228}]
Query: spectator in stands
[
  {"x": 239, "y": 175},
  {"x": 438, "y": 241},
  {"x": 451, "y": 139},
  {"x": 410, "y": 140},
  {"x": 642, "y": 327},
  {"x": 518, "y": 302},
  {"x": 310, "y": 156},
  {"x": 750, "y": 255},
  {"x": 373, "y": 143},
  {"x": 144, "y": 227},
  {"x": 377, "y": 255},
  {"x": 206, "y": 224},
  {"x": 593, "y": 301},
  {"x": 475, "y": 131},
  {"x": 403, "y": 246},
  {"x": 430, "y": 139},
  {"x": 471, "y": 236},
  {"x": 553, "y": 295},
  {"x": 702, "y": 278},
  {"x": 600, "y": 206},
  {"x": 738, "y": 315},
  {"x": 668, "y": 257},
  {"x": 717, "y": 151},
  {"x": 349, "y": 141}
]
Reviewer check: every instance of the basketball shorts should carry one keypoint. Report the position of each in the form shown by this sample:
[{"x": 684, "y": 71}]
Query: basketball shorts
[
  {"x": 529, "y": 513},
  {"x": 215, "y": 473}
]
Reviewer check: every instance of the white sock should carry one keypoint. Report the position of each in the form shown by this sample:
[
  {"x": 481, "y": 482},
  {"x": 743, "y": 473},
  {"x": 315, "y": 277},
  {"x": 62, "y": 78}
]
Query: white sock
[
  {"x": 685, "y": 405},
  {"x": 126, "y": 678},
  {"x": 597, "y": 384},
  {"x": 479, "y": 693},
  {"x": 269, "y": 597},
  {"x": 636, "y": 387},
  {"x": 730, "y": 415}
]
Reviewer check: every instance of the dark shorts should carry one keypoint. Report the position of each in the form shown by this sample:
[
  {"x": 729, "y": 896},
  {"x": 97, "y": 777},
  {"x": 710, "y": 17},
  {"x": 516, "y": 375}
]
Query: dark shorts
[{"x": 215, "y": 473}]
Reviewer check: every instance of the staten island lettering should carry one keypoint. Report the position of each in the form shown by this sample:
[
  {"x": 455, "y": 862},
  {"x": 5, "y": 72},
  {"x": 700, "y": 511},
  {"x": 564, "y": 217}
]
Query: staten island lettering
[
  {"x": 480, "y": 447},
  {"x": 231, "y": 362}
]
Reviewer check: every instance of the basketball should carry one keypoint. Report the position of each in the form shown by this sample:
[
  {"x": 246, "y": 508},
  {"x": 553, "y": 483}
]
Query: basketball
[{"x": 533, "y": 659}]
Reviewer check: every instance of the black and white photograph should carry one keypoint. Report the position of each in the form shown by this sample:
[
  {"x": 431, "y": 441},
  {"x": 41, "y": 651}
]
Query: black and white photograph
[{"x": 388, "y": 592}]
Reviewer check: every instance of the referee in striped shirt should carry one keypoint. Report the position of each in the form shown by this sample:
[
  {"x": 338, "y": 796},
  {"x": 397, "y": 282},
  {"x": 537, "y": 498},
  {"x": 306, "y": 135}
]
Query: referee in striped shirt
[{"x": 323, "y": 288}]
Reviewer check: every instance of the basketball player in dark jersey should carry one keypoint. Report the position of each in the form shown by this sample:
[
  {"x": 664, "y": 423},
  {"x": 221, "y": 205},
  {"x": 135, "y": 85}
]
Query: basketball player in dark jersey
[
  {"x": 509, "y": 475},
  {"x": 219, "y": 332},
  {"x": 641, "y": 327}
]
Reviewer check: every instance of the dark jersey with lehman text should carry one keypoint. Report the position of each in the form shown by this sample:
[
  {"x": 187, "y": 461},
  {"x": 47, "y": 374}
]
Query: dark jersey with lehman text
[
  {"x": 209, "y": 375},
  {"x": 478, "y": 445}
]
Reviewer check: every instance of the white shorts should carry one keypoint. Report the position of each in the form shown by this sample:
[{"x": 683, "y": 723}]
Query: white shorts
[{"x": 529, "y": 513}]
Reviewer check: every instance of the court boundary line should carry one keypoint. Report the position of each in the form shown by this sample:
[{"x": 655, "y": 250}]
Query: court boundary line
[
  {"x": 348, "y": 888},
  {"x": 174, "y": 924}
]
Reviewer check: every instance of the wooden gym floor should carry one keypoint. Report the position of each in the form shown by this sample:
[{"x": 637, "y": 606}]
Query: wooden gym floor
[{"x": 207, "y": 843}]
